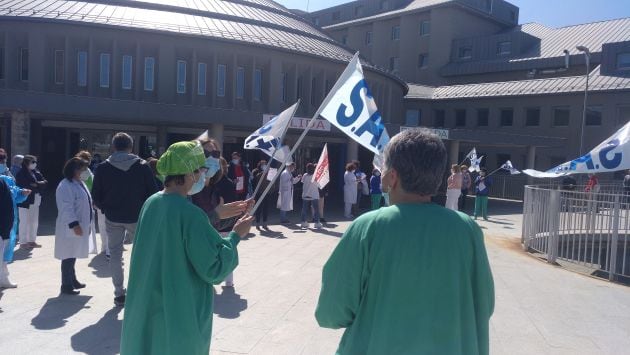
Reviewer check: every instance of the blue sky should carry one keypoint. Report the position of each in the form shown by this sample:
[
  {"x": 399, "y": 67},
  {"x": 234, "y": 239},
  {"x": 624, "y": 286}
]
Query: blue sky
[{"x": 554, "y": 13}]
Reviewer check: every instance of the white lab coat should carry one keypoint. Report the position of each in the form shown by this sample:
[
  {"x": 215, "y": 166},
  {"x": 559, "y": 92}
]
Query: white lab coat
[
  {"x": 73, "y": 204},
  {"x": 285, "y": 198},
  {"x": 349, "y": 187}
]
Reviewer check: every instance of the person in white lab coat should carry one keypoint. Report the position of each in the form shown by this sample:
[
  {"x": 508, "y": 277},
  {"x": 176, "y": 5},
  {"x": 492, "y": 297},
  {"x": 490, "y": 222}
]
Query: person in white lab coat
[
  {"x": 285, "y": 197},
  {"x": 349, "y": 190},
  {"x": 74, "y": 223}
]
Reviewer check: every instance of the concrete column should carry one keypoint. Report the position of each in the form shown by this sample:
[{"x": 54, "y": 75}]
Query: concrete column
[
  {"x": 531, "y": 162},
  {"x": 453, "y": 153},
  {"x": 353, "y": 150},
  {"x": 216, "y": 132},
  {"x": 20, "y": 133}
]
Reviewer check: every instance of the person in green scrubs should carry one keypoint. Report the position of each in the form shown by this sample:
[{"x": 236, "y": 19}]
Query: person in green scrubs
[
  {"x": 414, "y": 277},
  {"x": 177, "y": 257}
]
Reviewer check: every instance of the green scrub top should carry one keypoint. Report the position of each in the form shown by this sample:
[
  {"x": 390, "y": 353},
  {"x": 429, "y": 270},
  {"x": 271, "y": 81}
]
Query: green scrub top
[
  {"x": 177, "y": 257},
  {"x": 409, "y": 279}
]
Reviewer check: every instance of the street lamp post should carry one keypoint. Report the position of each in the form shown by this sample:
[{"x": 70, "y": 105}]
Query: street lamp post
[{"x": 587, "y": 57}]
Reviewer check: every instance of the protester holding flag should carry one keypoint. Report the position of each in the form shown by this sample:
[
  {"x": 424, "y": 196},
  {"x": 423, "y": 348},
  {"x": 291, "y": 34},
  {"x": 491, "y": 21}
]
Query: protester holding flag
[
  {"x": 454, "y": 188},
  {"x": 176, "y": 259},
  {"x": 482, "y": 190},
  {"x": 310, "y": 197},
  {"x": 394, "y": 286},
  {"x": 466, "y": 185},
  {"x": 375, "y": 189},
  {"x": 285, "y": 197},
  {"x": 349, "y": 190}
]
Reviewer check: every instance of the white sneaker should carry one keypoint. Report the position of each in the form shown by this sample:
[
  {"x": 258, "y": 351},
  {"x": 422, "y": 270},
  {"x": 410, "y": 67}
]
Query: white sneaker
[
  {"x": 318, "y": 225},
  {"x": 304, "y": 225}
]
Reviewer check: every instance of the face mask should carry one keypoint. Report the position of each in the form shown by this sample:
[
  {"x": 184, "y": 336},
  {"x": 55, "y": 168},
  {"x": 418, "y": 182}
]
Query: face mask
[
  {"x": 263, "y": 167},
  {"x": 32, "y": 166},
  {"x": 85, "y": 175},
  {"x": 235, "y": 161},
  {"x": 377, "y": 174},
  {"x": 213, "y": 165},
  {"x": 198, "y": 185},
  {"x": 3, "y": 168}
]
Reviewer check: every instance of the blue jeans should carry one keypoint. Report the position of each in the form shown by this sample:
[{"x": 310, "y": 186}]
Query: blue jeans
[
  {"x": 283, "y": 216},
  {"x": 306, "y": 209}
]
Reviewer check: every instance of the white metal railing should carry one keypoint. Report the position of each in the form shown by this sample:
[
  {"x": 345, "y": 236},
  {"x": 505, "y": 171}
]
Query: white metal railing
[{"x": 585, "y": 228}]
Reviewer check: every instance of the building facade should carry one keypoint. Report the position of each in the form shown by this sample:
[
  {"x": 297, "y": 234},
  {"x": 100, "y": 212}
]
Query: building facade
[{"x": 74, "y": 73}]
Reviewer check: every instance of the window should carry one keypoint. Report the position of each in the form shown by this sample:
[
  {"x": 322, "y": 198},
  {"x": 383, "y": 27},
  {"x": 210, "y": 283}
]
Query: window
[
  {"x": 358, "y": 11},
  {"x": 202, "y": 79},
  {"x": 384, "y": 5},
  {"x": 513, "y": 15},
  {"x": 532, "y": 117},
  {"x": 328, "y": 86},
  {"x": 283, "y": 86},
  {"x": 344, "y": 39},
  {"x": 593, "y": 116},
  {"x": 82, "y": 69},
  {"x": 127, "y": 71},
  {"x": 221, "y": 68},
  {"x": 368, "y": 38},
  {"x": 257, "y": 84},
  {"x": 1, "y": 63},
  {"x": 460, "y": 118},
  {"x": 502, "y": 158},
  {"x": 561, "y": 116},
  {"x": 23, "y": 64},
  {"x": 412, "y": 118},
  {"x": 149, "y": 72},
  {"x": 181, "y": 77},
  {"x": 423, "y": 60},
  {"x": 336, "y": 15},
  {"x": 395, "y": 33},
  {"x": 104, "y": 73},
  {"x": 504, "y": 48},
  {"x": 465, "y": 52},
  {"x": 623, "y": 61},
  {"x": 425, "y": 28},
  {"x": 59, "y": 67},
  {"x": 298, "y": 89},
  {"x": 483, "y": 115},
  {"x": 439, "y": 118},
  {"x": 507, "y": 117},
  {"x": 240, "y": 83},
  {"x": 313, "y": 91},
  {"x": 394, "y": 64}
]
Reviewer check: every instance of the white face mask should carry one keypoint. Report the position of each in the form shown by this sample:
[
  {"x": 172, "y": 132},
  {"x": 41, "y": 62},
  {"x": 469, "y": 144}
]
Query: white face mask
[
  {"x": 235, "y": 161},
  {"x": 263, "y": 167},
  {"x": 198, "y": 185},
  {"x": 377, "y": 174},
  {"x": 32, "y": 166},
  {"x": 85, "y": 175}
]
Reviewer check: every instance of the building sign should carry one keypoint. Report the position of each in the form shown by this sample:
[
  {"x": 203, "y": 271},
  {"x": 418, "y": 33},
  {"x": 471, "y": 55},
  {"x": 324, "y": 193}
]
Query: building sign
[
  {"x": 442, "y": 133},
  {"x": 301, "y": 123}
]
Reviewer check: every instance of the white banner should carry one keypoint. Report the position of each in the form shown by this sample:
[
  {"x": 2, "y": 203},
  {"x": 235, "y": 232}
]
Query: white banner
[
  {"x": 322, "y": 172},
  {"x": 352, "y": 109},
  {"x": 268, "y": 138},
  {"x": 611, "y": 155},
  {"x": 301, "y": 122}
]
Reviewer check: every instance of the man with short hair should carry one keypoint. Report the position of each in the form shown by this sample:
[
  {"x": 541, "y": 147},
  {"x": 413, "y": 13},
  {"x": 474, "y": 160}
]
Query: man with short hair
[
  {"x": 121, "y": 185},
  {"x": 238, "y": 173}
]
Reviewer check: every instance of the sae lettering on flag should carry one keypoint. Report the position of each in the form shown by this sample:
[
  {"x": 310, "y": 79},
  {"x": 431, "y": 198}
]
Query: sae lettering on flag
[
  {"x": 322, "y": 173},
  {"x": 269, "y": 137},
  {"x": 353, "y": 110}
]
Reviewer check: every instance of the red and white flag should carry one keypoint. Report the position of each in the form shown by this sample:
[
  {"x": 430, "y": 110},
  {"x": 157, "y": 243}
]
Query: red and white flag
[{"x": 322, "y": 174}]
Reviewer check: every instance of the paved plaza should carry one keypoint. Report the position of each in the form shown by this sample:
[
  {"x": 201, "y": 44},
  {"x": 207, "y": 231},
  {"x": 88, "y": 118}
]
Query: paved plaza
[{"x": 540, "y": 309}]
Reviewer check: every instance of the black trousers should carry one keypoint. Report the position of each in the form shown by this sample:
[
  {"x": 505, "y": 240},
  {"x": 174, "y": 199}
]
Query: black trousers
[
  {"x": 462, "y": 199},
  {"x": 68, "y": 277},
  {"x": 263, "y": 210}
]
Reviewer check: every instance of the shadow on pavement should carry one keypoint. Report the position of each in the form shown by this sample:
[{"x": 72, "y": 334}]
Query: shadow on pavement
[
  {"x": 22, "y": 253},
  {"x": 229, "y": 304},
  {"x": 102, "y": 337},
  {"x": 56, "y": 311},
  {"x": 268, "y": 233},
  {"x": 327, "y": 232},
  {"x": 100, "y": 266}
]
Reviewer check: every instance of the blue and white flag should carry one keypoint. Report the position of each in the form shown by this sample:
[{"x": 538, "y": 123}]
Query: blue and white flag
[
  {"x": 611, "y": 155},
  {"x": 269, "y": 137},
  {"x": 353, "y": 110},
  {"x": 509, "y": 167},
  {"x": 475, "y": 163}
]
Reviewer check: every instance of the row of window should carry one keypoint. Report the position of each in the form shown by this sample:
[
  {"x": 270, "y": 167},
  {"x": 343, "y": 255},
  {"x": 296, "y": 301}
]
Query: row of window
[
  {"x": 423, "y": 62},
  {"x": 358, "y": 12},
  {"x": 561, "y": 117},
  {"x": 425, "y": 30},
  {"x": 127, "y": 73}
]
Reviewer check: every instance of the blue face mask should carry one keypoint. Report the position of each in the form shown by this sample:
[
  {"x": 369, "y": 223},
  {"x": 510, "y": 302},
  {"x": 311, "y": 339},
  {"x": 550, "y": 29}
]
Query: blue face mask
[
  {"x": 213, "y": 166},
  {"x": 198, "y": 186},
  {"x": 3, "y": 168}
]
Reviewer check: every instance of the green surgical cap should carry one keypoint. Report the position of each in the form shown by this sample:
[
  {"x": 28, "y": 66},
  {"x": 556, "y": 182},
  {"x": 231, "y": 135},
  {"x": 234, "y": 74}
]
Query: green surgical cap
[{"x": 181, "y": 158}]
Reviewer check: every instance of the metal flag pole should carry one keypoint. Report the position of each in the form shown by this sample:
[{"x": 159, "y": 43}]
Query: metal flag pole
[
  {"x": 286, "y": 128},
  {"x": 311, "y": 123}
]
